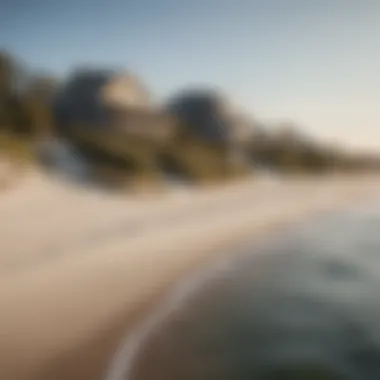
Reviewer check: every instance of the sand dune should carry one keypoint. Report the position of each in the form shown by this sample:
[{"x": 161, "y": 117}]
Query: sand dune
[{"x": 79, "y": 268}]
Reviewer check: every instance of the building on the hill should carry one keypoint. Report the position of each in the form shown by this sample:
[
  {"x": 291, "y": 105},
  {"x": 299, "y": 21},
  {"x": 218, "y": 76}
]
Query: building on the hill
[
  {"x": 112, "y": 102},
  {"x": 211, "y": 131},
  {"x": 210, "y": 115}
]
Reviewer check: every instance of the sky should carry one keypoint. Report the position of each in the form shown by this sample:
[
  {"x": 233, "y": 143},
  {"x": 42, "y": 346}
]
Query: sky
[{"x": 313, "y": 62}]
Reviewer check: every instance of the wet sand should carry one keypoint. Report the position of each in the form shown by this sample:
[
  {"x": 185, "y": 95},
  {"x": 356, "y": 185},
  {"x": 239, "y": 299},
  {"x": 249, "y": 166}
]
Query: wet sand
[{"x": 79, "y": 269}]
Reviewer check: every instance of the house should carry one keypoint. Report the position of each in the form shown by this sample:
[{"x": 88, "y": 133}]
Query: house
[
  {"x": 109, "y": 102},
  {"x": 211, "y": 134},
  {"x": 210, "y": 116},
  {"x": 110, "y": 119}
]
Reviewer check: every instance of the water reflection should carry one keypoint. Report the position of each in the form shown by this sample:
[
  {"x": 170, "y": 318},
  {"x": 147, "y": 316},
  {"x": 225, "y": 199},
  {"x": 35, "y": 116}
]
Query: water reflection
[{"x": 305, "y": 306}]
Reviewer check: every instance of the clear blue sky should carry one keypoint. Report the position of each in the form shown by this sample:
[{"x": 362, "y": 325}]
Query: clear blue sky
[{"x": 313, "y": 61}]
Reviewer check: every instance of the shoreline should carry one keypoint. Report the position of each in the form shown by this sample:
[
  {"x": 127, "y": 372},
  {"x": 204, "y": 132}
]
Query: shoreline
[
  {"x": 122, "y": 361},
  {"x": 66, "y": 316}
]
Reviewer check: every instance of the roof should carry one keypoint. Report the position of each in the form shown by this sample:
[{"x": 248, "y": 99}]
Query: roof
[
  {"x": 106, "y": 87},
  {"x": 125, "y": 90}
]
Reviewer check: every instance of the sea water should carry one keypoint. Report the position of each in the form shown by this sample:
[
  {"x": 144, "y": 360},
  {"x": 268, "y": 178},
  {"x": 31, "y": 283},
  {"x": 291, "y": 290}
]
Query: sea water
[{"x": 305, "y": 304}]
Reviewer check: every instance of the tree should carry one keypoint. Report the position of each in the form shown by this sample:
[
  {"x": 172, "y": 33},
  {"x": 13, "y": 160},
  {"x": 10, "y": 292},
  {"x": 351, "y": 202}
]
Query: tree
[
  {"x": 13, "y": 77},
  {"x": 7, "y": 72},
  {"x": 38, "y": 100}
]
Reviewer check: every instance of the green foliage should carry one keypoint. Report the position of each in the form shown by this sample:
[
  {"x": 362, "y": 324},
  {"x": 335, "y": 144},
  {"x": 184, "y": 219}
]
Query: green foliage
[
  {"x": 37, "y": 100},
  {"x": 120, "y": 160},
  {"x": 17, "y": 148},
  {"x": 25, "y": 99},
  {"x": 204, "y": 162}
]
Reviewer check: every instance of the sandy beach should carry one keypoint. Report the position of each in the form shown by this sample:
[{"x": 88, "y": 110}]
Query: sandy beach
[{"x": 79, "y": 268}]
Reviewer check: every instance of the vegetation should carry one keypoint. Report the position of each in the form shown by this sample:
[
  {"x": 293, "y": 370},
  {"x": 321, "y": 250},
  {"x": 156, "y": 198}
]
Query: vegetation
[{"x": 27, "y": 113}]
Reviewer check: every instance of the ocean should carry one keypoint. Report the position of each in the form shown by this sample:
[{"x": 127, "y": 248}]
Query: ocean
[{"x": 303, "y": 304}]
